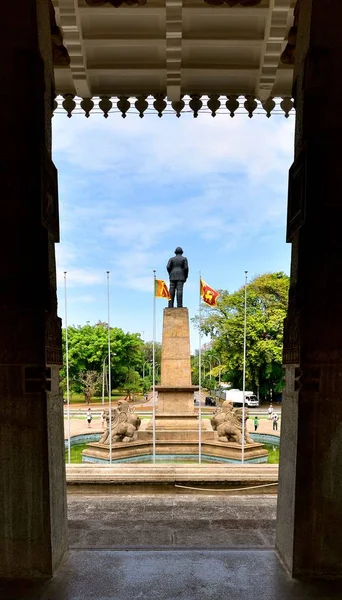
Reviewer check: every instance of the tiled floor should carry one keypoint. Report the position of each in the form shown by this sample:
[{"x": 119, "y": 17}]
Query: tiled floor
[
  {"x": 171, "y": 575},
  {"x": 171, "y": 521},
  {"x": 168, "y": 547}
]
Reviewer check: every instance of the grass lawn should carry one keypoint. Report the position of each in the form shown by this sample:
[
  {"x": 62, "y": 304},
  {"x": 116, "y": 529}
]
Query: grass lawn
[
  {"x": 75, "y": 453},
  {"x": 79, "y": 398},
  {"x": 273, "y": 454}
]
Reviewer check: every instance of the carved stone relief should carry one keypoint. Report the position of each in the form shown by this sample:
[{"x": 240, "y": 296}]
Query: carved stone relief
[
  {"x": 53, "y": 339},
  {"x": 297, "y": 194},
  {"x": 196, "y": 103},
  {"x": 123, "y": 427},
  {"x": 227, "y": 421},
  {"x": 21, "y": 337},
  {"x": 50, "y": 212},
  {"x": 60, "y": 54},
  {"x": 288, "y": 55}
]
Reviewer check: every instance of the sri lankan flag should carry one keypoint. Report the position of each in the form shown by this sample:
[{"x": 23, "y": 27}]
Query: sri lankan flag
[
  {"x": 208, "y": 294},
  {"x": 161, "y": 290}
]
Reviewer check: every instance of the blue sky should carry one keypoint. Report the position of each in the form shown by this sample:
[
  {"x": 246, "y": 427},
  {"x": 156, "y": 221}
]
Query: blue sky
[{"x": 131, "y": 190}]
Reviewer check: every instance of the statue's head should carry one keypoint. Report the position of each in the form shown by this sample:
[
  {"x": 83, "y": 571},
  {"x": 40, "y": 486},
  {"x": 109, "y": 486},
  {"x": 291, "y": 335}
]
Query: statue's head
[
  {"x": 239, "y": 414},
  {"x": 179, "y": 250},
  {"x": 227, "y": 406},
  {"x": 123, "y": 406}
]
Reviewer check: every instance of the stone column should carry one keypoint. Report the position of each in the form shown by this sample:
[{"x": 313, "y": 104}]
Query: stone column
[
  {"x": 310, "y": 484},
  {"x": 33, "y": 526}
]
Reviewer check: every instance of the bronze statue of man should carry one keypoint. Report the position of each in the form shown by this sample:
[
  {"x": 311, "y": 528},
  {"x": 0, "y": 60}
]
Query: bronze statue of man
[{"x": 178, "y": 270}]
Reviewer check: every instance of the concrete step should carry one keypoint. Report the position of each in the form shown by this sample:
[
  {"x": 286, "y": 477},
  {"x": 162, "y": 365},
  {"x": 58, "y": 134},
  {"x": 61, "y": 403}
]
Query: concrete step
[{"x": 169, "y": 473}]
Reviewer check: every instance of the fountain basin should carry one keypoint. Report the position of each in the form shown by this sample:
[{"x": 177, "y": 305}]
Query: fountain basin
[{"x": 142, "y": 450}]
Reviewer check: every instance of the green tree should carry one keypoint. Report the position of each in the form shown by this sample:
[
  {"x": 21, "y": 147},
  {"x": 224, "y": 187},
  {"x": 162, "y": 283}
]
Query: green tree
[
  {"x": 133, "y": 384},
  {"x": 90, "y": 381},
  {"x": 267, "y": 297},
  {"x": 88, "y": 351},
  {"x": 211, "y": 369},
  {"x": 148, "y": 353}
]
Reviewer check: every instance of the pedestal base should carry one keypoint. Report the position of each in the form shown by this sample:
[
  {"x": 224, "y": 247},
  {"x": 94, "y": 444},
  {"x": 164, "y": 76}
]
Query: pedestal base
[
  {"x": 176, "y": 399},
  {"x": 169, "y": 450},
  {"x": 180, "y": 422}
]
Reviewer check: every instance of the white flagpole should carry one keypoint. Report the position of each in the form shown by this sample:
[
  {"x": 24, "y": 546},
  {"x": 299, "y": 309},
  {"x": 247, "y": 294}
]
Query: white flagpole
[
  {"x": 67, "y": 363},
  {"x": 109, "y": 376},
  {"x": 154, "y": 370},
  {"x": 244, "y": 372},
  {"x": 103, "y": 383},
  {"x": 200, "y": 378}
]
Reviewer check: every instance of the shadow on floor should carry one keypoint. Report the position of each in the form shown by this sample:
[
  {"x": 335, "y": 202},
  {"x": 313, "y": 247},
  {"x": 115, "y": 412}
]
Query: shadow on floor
[{"x": 171, "y": 575}]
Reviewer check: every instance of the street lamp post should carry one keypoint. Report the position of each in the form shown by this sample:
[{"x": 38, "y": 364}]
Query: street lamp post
[
  {"x": 219, "y": 367},
  {"x": 205, "y": 360},
  {"x": 147, "y": 362}
]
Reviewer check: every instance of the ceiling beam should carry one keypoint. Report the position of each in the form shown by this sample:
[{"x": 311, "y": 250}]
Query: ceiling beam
[
  {"x": 70, "y": 22},
  {"x": 276, "y": 29},
  {"x": 98, "y": 41},
  {"x": 174, "y": 25},
  {"x": 124, "y": 68},
  {"x": 199, "y": 9}
]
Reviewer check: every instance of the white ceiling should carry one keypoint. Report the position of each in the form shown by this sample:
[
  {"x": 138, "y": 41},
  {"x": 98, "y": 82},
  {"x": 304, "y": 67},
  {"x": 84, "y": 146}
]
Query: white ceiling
[{"x": 175, "y": 47}]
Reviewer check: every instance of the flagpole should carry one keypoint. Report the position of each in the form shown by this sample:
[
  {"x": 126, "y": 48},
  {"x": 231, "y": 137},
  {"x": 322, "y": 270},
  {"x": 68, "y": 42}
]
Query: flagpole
[
  {"x": 103, "y": 383},
  {"x": 67, "y": 364},
  {"x": 244, "y": 372},
  {"x": 200, "y": 378},
  {"x": 109, "y": 375},
  {"x": 154, "y": 370}
]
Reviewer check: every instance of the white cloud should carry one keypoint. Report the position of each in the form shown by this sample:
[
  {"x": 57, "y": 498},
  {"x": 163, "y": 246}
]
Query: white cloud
[
  {"x": 68, "y": 257},
  {"x": 84, "y": 299},
  {"x": 78, "y": 276},
  {"x": 141, "y": 230},
  {"x": 227, "y": 179},
  {"x": 66, "y": 254},
  {"x": 176, "y": 149}
]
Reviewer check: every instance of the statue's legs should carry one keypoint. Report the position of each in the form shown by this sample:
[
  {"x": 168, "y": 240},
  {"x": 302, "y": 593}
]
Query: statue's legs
[
  {"x": 176, "y": 285},
  {"x": 172, "y": 293},
  {"x": 180, "y": 293}
]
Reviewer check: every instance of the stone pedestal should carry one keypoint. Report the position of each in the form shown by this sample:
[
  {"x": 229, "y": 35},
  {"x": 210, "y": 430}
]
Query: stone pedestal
[
  {"x": 309, "y": 517},
  {"x": 175, "y": 361},
  {"x": 175, "y": 411}
]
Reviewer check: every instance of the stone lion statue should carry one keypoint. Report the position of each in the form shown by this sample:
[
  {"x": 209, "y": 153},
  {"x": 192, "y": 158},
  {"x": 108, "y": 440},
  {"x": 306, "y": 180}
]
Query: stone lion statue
[
  {"x": 228, "y": 424},
  {"x": 123, "y": 427}
]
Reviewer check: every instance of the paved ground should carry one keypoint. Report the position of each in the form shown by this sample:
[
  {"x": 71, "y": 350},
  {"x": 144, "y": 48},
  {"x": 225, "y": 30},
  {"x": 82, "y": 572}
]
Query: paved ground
[
  {"x": 169, "y": 575},
  {"x": 204, "y": 520},
  {"x": 193, "y": 564}
]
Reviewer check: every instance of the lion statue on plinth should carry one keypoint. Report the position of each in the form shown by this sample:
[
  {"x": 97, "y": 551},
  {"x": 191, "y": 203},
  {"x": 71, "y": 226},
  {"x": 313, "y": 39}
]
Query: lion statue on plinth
[
  {"x": 124, "y": 425},
  {"x": 228, "y": 424}
]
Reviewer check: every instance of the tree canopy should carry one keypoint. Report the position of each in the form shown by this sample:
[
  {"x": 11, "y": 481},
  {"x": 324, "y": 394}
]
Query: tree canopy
[
  {"x": 88, "y": 353},
  {"x": 267, "y": 297}
]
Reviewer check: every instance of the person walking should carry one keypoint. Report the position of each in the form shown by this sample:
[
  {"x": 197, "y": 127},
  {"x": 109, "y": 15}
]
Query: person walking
[
  {"x": 256, "y": 423},
  {"x": 102, "y": 419},
  {"x": 270, "y": 412},
  {"x": 275, "y": 422},
  {"x": 89, "y": 416}
]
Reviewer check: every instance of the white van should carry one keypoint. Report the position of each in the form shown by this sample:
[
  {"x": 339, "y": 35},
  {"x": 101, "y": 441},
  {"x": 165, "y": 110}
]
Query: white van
[{"x": 236, "y": 396}]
